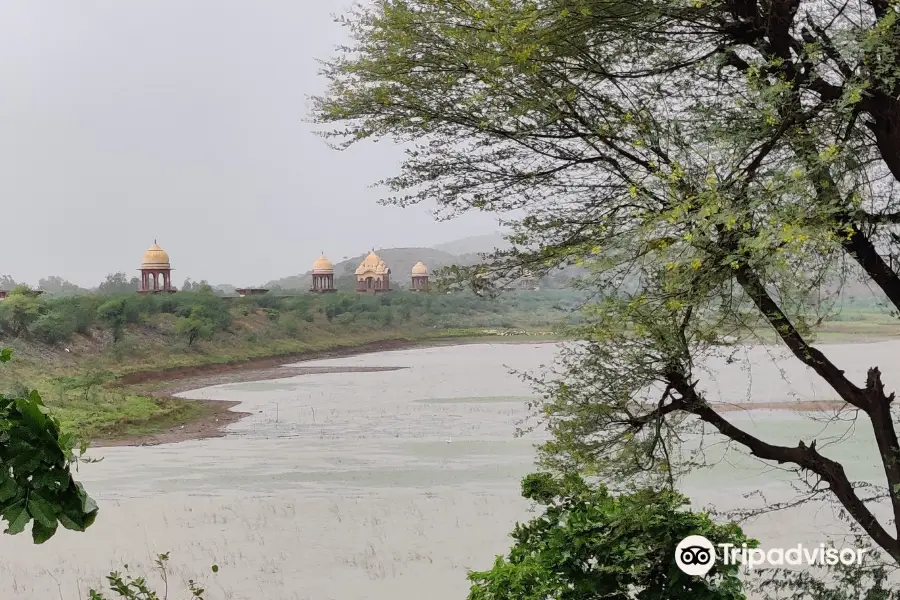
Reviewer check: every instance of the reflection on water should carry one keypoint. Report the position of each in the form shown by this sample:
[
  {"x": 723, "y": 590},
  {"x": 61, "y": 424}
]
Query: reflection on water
[{"x": 385, "y": 484}]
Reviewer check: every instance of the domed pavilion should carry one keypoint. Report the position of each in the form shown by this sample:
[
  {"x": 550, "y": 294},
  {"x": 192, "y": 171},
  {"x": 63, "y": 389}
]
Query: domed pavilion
[
  {"x": 156, "y": 271},
  {"x": 322, "y": 276},
  {"x": 373, "y": 275},
  {"x": 419, "y": 276}
]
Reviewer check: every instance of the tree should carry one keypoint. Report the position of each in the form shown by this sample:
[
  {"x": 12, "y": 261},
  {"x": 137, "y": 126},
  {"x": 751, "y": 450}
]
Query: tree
[
  {"x": 53, "y": 327},
  {"x": 729, "y": 160},
  {"x": 588, "y": 543},
  {"x": 7, "y": 282},
  {"x": 19, "y": 311},
  {"x": 113, "y": 314},
  {"x": 118, "y": 283},
  {"x": 59, "y": 287},
  {"x": 36, "y": 483},
  {"x": 195, "y": 326}
]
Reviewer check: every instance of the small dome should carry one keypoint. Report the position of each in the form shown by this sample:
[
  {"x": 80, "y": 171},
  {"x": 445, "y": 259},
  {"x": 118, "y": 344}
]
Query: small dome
[
  {"x": 369, "y": 263},
  {"x": 155, "y": 258},
  {"x": 419, "y": 269},
  {"x": 323, "y": 265}
]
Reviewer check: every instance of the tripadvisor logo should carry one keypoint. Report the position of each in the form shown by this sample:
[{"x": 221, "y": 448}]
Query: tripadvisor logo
[{"x": 696, "y": 555}]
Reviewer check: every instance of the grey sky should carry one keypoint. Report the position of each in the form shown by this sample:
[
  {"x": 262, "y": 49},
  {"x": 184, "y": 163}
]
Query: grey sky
[{"x": 122, "y": 121}]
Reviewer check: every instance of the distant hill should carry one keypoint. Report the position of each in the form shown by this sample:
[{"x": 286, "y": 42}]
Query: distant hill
[
  {"x": 476, "y": 244},
  {"x": 400, "y": 261}
]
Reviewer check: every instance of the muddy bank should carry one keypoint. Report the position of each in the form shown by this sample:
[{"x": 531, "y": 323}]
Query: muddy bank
[
  {"x": 217, "y": 416},
  {"x": 268, "y": 362}
]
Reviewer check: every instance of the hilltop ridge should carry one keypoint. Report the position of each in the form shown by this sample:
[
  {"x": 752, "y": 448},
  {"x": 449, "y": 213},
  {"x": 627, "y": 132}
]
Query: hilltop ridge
[{"x": 464, "y": 251}]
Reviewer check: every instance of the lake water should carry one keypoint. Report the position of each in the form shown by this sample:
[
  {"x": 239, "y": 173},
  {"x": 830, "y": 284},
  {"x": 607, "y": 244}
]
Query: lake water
[{"x": 385, "y": 485}]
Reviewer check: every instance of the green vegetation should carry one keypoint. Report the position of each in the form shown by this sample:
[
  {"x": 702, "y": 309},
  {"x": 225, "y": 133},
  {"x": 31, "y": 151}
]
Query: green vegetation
[
  {"x": 128, "y": 587},
  {"x": 75, "y": 348},
  {"x": 36, "y": 483},
  {"x": 588, "y": 543}
]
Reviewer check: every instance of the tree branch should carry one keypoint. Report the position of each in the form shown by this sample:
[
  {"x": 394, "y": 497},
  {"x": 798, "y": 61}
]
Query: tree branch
[{"x": 806, "y": 457}]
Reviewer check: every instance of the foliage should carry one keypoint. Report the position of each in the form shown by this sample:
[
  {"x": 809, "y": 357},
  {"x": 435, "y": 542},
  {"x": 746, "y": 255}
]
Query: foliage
[
  {"x": 53, "y": 327},
  {"x": 718, "y": 166},
  {"x": 18, "y": 311},
  {"x": 113, "y": 314},
  {"x": 36, "y": 482},
  {"x": 118, "y": 283},
  {"x": 127, "y": 587},
  {"x": 56, "y": 319},
  {"x": 195, "y": 326},
  {"x": 588, "y": 543},
  {"x": 58, "y": 286}
]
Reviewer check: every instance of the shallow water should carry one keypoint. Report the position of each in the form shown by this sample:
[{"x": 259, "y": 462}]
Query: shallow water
[{"x": 380, "y": 485}]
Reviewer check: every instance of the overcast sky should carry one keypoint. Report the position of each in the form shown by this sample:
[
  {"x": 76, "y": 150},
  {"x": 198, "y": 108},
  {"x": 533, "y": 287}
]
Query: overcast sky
[{"x": 122, "y": 121}]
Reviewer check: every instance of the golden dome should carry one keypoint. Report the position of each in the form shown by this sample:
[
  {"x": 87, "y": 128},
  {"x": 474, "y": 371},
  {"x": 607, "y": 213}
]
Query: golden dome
[
  {"x": 323, "y": 265},
  {"x": 369, "y": 263},
  {"x": 155, "y": 258},
  {"x": 419, "y": 269}
]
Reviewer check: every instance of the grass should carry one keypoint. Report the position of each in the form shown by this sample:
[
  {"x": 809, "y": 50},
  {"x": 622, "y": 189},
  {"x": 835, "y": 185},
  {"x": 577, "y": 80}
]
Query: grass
[{"x": 111, "y": 415}]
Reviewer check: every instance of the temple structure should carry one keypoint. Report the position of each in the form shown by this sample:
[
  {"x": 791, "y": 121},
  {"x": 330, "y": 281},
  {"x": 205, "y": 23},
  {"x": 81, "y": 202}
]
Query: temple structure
[
  {"x": 251, "y": 291},
  {"x": 322, "y": 276},
  {"x": 32, "y": 293},
  {"x": 156, "y": 272},
  {"x": 372, "y": 275},
  {"x": 528, "y": 281},
  {"x": 419, "y": 278}
]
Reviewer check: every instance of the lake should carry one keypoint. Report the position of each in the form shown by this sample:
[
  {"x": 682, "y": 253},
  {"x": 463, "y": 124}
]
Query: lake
[{"x": 388, "y": 484}]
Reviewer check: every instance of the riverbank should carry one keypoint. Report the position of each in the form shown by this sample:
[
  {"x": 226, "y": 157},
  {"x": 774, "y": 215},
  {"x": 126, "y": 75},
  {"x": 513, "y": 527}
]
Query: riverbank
[
  {"x": 113, "y": 378},
  {"x": 98, "y": 361}
]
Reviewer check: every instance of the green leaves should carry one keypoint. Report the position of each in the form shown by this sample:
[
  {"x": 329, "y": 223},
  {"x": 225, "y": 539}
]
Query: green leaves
[
  {"x": 588, "y": 544},
  {"x": 127, "y": 587},
  {"x": 36, "y": 483}
]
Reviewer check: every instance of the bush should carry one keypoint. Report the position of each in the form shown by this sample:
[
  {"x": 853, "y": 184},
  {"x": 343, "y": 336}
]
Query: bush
[
  {"x": 195, "y": 327},
  {"x": 112, "y": 314},
  {"x": 344, "y": 319},
  {"x": 19, "y": 311},
  {"x": 80, "y": 310},
  {"x": 53, "y": 327},
  {"x": 591, "y": 544},
  {"x": 290, "y": 324}
]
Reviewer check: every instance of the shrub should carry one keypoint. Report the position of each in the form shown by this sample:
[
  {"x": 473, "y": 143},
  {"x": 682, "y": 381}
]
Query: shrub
[
  {"x": 591, "y": 544},
  {"x": 80, "y": 310},
  {"x": 195, "y": 327},
  {"x": 112, "y": 314},
  {"x": 53, "y": 327},
  {"x": 19, "y": 311}
]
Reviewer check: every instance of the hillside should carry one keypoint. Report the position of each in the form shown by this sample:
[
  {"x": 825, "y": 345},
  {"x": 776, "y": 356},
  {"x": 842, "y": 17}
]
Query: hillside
[{"x": 476, "y": 244}]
